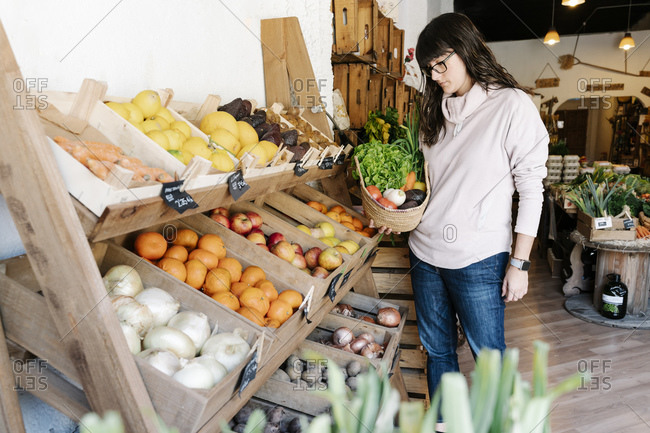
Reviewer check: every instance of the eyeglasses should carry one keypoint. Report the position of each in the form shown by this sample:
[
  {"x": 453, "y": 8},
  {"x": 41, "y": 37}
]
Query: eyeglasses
[{"x": 440, "y": 67}]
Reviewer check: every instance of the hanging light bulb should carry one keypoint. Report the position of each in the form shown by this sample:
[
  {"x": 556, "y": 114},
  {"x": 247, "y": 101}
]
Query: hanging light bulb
[
  {"x": 627, "y": 42},
  {"x": 572, "y": 3},
  {"x": 552, "y": 37}
]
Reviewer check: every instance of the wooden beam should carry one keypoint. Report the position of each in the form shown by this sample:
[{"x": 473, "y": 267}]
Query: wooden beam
[
  {"x": 62, "y": 260},
  {"x": 11, "y": 418}
]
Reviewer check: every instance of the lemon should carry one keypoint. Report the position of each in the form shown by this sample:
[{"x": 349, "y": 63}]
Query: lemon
[
  {"x": 182, "y": 127},
  {"x": 226, "y": 140},
  {"x": 247, "y": 133},
  {"x": 219, "y": 119},
  {"x": 175, "y": 138},
  {"x": 269, "y": 148},
  {"x": 164, "y": 124},
  {"x": 420, "y": 185},
  {"x": 165, "y": 114},
  {"x": 159, "y": 138},
  {"x": 197, "y": 146},
  {"x": 119, "y": 109},
  {"x": 138, "y": 125},
  {"x": 150, "y": 125},
  {"x": 351, "y": 246},
  {"x": 176, "y": 154},
  {"x": 148, "y": 101},
  {"x": 221, "y": 161},
  {"x": 187, "y": 157},
  {"x": 256, "y": 150},
  {"x": 304, "y": 228},
  {"x": 135, "y": 113}
]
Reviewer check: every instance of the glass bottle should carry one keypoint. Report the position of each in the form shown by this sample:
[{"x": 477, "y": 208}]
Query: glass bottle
[{"x": 614, "y": 298}]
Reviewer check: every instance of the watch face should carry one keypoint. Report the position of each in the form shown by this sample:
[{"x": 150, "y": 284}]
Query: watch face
[{"x": 525, "y": 265}]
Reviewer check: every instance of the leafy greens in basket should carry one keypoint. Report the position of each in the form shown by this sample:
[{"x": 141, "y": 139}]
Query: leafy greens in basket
[{"x": 383, "y": 165}]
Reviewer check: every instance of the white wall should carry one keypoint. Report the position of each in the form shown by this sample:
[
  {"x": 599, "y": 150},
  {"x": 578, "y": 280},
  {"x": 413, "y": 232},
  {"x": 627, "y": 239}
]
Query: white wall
[{"x": 195, "y": 48}]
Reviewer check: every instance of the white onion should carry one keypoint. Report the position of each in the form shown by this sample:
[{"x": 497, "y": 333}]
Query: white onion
[
  {"x": 122, "y": 280},
  {"x": 195, "y": 375},
  {"x": 132, "y": 338},
  {"x": 134, "y": 313},
  {"x": 163, "y": 360},
  {"x": 163, "y": 306},
  {"x": 227, "y": 348},
  {"x": 194, "y": 324},
  {"x": 216, "y": 368},
  {"x": 177, "y": 342}
]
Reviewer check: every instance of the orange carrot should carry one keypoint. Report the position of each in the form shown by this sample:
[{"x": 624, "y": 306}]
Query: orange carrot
[{"x": 410, "y": 181}]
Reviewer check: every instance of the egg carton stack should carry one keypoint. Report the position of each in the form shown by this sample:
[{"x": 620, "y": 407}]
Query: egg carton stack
[
  {"x": 571, "y": 168},
  {"x": 554, "y": 169}
]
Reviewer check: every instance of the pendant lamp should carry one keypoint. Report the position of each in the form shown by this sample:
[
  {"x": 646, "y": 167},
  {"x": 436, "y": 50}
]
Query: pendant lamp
[
  {"x": 552, "y": 37},
  {"x": 627, "y": 42},
  {"x": 572, "y": 3}
]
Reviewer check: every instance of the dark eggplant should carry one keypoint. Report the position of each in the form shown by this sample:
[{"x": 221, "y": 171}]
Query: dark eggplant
[
  {"x": 298, "y": 152},
  {"x": 262, "y": 129},
  {"x": 249, "y": 120},
  {"x": 409, "y": 204},
  {"x": 305, "y": 146},
  {"x": 416, "y": 195},
  {"x": 290, "y": 137},
  {"x": 258, "y": 118},
  {"x": 272, "y": 136},
  {"x": 233, "y": 108},
  {"x": 244, "y": 109}
]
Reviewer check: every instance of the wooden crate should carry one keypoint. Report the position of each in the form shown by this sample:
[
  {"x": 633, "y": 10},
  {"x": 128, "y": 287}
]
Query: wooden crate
[
  {"x": 362, "y": 90},
  {"x": 384, "y": 42},
  {"x": 191, "y": 408},
  {"x": 588, "y": 227},
  {"x": 388, "y": 95},
  {"x": 375, "y": 88},
  {"x": 396, "y": 61},
  {"x": 401, "y": 100},
  {"x": 354, "y": 26}
]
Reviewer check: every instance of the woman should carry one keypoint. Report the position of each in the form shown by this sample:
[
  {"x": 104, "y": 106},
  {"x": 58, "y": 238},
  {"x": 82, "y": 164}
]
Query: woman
[{"x": 483, "y": 138}]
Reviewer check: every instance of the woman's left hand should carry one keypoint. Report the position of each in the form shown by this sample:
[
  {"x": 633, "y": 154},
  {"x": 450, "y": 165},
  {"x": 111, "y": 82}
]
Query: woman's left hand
[{"x": 515, "y": 284}]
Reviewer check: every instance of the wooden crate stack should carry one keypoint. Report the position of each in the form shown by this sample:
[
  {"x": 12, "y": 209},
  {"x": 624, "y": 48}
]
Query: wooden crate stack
[
  {"x": 367, "y": 57},
  {"x": 393, "y": 280}
]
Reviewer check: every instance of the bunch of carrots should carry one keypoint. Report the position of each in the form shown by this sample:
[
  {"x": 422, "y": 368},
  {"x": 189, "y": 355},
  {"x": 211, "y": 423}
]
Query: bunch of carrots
[
  {"x": 100, "y": 158},
  {"x": 642, "y": 230}
]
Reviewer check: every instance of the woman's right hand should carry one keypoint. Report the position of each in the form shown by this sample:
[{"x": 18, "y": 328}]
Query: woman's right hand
[{"x": 383, "y": 229}]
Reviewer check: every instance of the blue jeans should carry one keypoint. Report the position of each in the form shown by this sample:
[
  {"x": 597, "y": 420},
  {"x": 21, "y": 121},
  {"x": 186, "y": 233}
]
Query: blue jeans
[{"x": 474, "y": 294}]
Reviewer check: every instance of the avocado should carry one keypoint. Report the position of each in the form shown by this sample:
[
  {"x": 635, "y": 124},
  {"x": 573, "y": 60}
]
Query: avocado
[
  {"x": 416, "y": 195},
  {"x": 409, "y": 204}
]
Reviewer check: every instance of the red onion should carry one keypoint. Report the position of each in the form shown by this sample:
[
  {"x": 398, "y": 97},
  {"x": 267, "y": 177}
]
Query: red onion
[
  {"x": 344, "y": 309},
  {"x": 368, "y": 337},
  {"x": 372, "y": 350},
  {"x": 358, "y": 344},
  {"x": 342, "y": 336},
  {"x": 368, "y": 319},
  {"x": 388, "y": 317}
]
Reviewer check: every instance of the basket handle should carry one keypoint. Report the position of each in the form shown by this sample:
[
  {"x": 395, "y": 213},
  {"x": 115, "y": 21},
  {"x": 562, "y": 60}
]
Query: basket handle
[{"x": 361, "y": 182}]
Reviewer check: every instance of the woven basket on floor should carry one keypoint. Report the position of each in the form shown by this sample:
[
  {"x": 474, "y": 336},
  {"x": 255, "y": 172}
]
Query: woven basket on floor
[{"x": 399, "y": 220}]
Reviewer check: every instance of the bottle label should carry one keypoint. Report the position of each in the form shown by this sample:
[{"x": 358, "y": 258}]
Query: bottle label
[{"x": 615, "y": 300}]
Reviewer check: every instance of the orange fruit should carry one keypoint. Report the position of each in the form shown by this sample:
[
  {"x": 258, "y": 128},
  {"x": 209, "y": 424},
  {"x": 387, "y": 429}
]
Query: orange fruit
[
  {"x": 196, "y": 272},
  {"x": 233, "y": 266},
  {"x": 177, "y": 252},
  {"x": 186, "y": 238},
  {"x": 214, "y": 244},
  {"x": 268, "y": 288},
  {"x": 253, "y": 315},
  {"x": 227, "y": 299},
  {"x": 272, "y": 323},
  {"x": 174, "y": 267},
  {"x": 253, "y": 297},
  {"x": 238, "y": 287},
  {"x": 291, "y": 297},
  {"x": 371, "y": 232},
  {"x": 358, "y": 225},
  {"x": 280, "y": 311},
  {"x": 252, "y": 275},
  {"x": 216, "y": 280},
  {"x": 346, "y": 218},
  {"x": 334, "y": 215},
  {"x": 210, "y": 260},
  {"x": 316, "y": 205},
  {"x": 150, "y": 245},
  {"x": 337, "y": 208},
  {"x": 349, "y": 225},
  {"x": 364, "y": 234}
]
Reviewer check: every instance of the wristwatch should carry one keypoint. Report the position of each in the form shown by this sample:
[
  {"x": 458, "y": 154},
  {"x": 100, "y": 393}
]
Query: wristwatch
[{"x": 520, "y": 264}]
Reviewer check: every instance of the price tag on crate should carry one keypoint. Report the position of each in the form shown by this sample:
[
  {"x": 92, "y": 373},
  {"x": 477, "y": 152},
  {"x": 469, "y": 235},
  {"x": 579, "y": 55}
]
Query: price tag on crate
[
  {"x": 237, "y": 185},
  {"x": 250, "y": 371},
  {"x": 603, "y": 223},
  {"x": 326, "y": 163},
  {"x": 340, "y": 160},
  {"x": 331, "y": 290},
  {"x": 298, "y": 169},
  {"x": 176, "y": 199},
  {"x": 372, "y": 254},
  {"x": 345, "y": 277},
  {"x": 628, "y": 223}
]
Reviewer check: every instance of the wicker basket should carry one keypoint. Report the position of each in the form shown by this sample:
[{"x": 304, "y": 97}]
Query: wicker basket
[{"x": 399, "y": 220}]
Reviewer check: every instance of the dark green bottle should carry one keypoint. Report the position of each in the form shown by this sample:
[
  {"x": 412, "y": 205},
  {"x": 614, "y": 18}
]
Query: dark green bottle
[{"x": 614, "y": 298}]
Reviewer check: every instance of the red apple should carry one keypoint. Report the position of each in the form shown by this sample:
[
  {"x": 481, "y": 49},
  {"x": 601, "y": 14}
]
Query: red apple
[
  {"x": 274, "y": 238},
  {"x": 298, "y": 249},
  {"x": 320, "y": 272},
  {"x": 256, "y": 238},
  {"x": 299, "y": 262},
  {"x": 258, "y": 230},
  {"x": 221, "y": 211},
  {"x": 224, "y": 221},
  {"x": 330, "y": 259},
  {"x": 311, "y": 257},
  {"x": 263, "y": 246},
  {"x": 240, "y": 224},
  {"x": 255, "y": 218},
  {"x": 284, "y": 250}
]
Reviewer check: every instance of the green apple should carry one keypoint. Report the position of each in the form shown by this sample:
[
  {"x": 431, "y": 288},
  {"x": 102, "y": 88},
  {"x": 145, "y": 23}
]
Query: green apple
[
  {"x": 304, "y": 228},
  {"x": 327, "y": 228}
]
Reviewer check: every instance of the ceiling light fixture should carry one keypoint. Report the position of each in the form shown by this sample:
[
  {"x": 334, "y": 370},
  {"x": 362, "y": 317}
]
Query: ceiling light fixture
[
  {"x": 627, "y": 42},
  {"x": 552, "y": 37},
  {"x": 572, "y": 3}
]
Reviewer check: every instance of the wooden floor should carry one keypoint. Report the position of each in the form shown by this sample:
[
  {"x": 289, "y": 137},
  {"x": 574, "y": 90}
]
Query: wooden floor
[{"x": 617, "y": 400}]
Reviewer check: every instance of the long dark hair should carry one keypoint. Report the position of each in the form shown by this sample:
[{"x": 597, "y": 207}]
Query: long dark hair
[{"x": 456, "y": 32}]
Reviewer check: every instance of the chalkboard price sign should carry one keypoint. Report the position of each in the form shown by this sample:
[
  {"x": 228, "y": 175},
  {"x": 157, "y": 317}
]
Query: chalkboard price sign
[
  {"x": 237, "y": 185},
  {"x": 326, "y": 163},
  {"x": 331, "y": 291},
  {"x": 250, "y": 371},
  {"x": 298, "y": 169},
  {"x": 176, "y": 199}
]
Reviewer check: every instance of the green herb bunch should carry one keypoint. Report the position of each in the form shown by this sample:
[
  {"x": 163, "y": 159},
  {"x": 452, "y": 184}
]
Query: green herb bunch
[{"x": 383, "y": 165}]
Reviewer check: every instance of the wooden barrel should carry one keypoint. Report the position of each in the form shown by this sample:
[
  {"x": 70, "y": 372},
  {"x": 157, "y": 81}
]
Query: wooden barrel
[{"x": 634, "y": 269}]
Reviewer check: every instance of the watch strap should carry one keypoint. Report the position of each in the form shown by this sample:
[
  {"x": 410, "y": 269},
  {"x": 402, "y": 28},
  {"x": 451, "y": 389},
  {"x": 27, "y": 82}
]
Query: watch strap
[{"x": 520, "y": 264}]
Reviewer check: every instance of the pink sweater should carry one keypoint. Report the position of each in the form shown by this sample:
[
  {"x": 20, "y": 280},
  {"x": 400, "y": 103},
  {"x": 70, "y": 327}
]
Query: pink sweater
[{"x": 494, "y": 142}]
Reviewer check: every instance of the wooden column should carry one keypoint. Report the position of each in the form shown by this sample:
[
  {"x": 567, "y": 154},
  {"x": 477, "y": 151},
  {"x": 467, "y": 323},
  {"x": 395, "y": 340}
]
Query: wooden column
[
  {"x": 62, "y": 260},
  {"x": 11, "y": 418}
]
